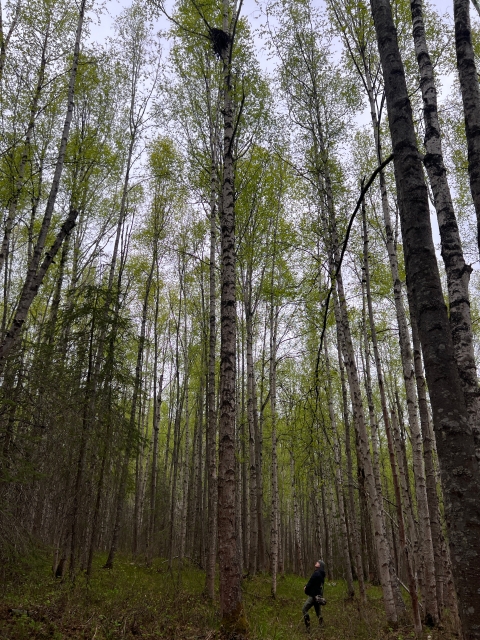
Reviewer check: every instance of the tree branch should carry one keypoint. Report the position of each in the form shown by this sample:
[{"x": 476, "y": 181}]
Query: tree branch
[{"x": 344, "y": 247}]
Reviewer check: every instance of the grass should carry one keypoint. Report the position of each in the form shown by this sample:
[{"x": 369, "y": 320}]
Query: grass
[{"x": 136, "y": 601}]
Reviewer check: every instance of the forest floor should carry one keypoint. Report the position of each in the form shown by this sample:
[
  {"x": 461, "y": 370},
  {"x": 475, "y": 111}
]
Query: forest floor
[{"x": 136, "y": 601}]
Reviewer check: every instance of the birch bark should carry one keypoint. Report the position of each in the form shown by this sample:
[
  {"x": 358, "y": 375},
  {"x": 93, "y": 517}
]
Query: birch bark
[
  {"x": 19, "y": 183},
  {"x": 274, "y": 534},
  {"x": 455, "y": 443},
  {"x": 468, "y": 76},
  {"x": 383, "y": 401},
  {"x": 431, "y": 481},
  {"x": 354, "y": 526},
  {"x": 229, "y": 567},
  {"x": 211, "y": 449},
  {"x": 36, "y": 272},
  {"x": 458, "y": 272},
  {"x": 426, "y": 547},
  {"x": 381, "y": 542},
  {"x": 338, "y": 479}
]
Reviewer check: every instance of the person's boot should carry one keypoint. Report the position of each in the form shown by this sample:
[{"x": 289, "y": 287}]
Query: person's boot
[
  {"x": 320, "y": 620},
  {"x": 307, "y": 621}
]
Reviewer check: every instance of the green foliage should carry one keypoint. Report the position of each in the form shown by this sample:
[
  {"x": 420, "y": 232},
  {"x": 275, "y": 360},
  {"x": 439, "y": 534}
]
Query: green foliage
[{"x": 135, "y": 600}]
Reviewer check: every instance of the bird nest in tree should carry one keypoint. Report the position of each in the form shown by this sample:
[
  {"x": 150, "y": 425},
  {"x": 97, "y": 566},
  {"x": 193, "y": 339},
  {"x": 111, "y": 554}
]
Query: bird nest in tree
[{"x": 220, "y": 41}]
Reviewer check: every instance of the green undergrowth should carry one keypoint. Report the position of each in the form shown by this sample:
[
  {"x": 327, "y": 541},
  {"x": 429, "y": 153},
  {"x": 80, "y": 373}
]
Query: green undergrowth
[{"x": 136, "y": 601}]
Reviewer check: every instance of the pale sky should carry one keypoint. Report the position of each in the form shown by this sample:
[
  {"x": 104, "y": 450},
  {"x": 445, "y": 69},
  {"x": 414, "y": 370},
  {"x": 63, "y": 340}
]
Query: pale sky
[{"x": 250, "y": 9}]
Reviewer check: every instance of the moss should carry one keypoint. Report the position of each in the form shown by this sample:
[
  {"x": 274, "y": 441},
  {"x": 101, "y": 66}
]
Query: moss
[{"x": 235, "y": 625}]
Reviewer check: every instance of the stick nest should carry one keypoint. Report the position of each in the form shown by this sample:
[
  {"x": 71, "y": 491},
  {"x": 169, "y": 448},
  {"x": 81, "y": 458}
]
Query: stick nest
[{"x": 220, "y": 41}]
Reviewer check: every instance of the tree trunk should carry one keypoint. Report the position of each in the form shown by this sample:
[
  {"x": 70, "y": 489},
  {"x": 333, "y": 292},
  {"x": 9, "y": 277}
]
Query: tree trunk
[
  {"x": 426, "y": 549},
  {"x": 229, "y": 567},
  {"x": 318, "y": 518},
  {"x": 431, "y": 611},
  {"x": 455, "y": 442},
  {"x": 139, "y": 494},
  {"x": 130, "y": 436},
  {"x": 296, "y": 520},
  {"x": 12, "y": 207},
  {"x": 211, "y": 408},
  {"x": 404, "y": 483},
  {"x": 157, "y": 403},
  {"x": 338, "y": 479},
  {"x": 258, "y": 427},
  {"x": 252, "y": 435},
  {"x": 458, "y": 273},
  {"x": 468, "y": 76},
  {"x": 438, "y": 538},
  {"x": 36, "y": 272},
  {"x": 185, "y": 466},
  {"x": 245, "y": 462},
  {"x": 274, "y": 537},
  {"x": 354, "y": 528},
  {"x": 238, "y": 467},
  {"x": 382, "y": 549}
]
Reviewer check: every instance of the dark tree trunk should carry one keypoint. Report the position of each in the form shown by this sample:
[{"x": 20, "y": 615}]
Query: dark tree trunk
[
  {"x": 121, "y": 495},
  {"x": 455, "y": 443},
  {"x": 458, "y": 273},
  {"x": 229, "y": 566},
  {"x": 211, "y": 454}
]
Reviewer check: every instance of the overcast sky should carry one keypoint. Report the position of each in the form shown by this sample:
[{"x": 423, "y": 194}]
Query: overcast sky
[
  {"x": 113, "y": 8},
  {"x": 250, "y": 9}
]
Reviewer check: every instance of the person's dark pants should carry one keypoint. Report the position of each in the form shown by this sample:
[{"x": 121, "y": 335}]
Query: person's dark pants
[{"x": 311, "y": 602}]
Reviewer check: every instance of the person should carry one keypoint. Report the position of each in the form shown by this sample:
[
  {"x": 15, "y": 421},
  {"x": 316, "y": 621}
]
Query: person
[{"x": 314, "y": 587}]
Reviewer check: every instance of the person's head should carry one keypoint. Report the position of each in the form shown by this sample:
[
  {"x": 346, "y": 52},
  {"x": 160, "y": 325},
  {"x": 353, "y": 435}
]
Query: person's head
[{"x": 319, "y": 564}]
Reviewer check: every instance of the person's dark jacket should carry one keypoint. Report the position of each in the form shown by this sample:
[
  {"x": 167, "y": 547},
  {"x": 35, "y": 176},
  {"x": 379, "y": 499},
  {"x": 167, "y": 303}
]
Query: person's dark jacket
[{"x": 314, "y": 586}]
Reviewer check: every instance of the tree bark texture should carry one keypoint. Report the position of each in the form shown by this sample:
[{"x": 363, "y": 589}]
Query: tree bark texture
[
  {"x": 338, "y": 478},
  {"x": 430, "y": 475},
  {"x": 468, "y": 76},
  {"x": 274, "y": 519},
  {"x": 354, "y": 525},
  {"x": 211, "y": 448},
  {"x": 383, "y": 401},
  {"x": 229, "y": 567},
  {"x": 458, "y": 272},
  {"x": 381, "y": 542},
  {"x": 455, "y": 442}
]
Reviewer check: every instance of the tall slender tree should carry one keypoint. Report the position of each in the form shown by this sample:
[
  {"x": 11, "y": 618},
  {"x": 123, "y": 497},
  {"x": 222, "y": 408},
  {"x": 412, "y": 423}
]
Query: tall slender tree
[{"x": 456, "y": 449}]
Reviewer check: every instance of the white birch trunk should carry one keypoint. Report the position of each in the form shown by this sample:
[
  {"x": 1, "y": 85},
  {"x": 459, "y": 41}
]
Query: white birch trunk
[
  {"x": 458, "y": 272},
  {"x": 360, "y": 427},
  {"x": 36, "y": 272},
  {"x": 354, "y": 527},
  {"x": 296, "y": 519},
  {"x": 273, "y": 410},
  {"x": 338, "y": 478}
]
